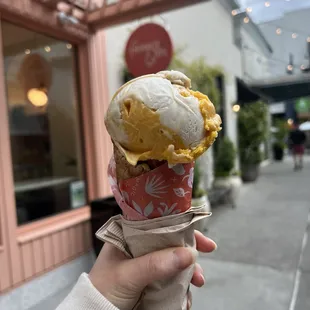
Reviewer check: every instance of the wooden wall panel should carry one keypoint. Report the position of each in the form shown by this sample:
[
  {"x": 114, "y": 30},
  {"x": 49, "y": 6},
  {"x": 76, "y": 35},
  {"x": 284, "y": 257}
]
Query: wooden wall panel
[
  {"x": 87, "y": 236},
  {"x": 48, "y": 252},
  {"x": 100, "y": 101},
  {"x": 38, "y": 256},
  {"x": 57, "y": 248},
  {"x": 27, "y": 260},
  {"x": 5, "y": 281},
  {"x": 79, "y": 238},
  {"x": 65, "y": 242}
]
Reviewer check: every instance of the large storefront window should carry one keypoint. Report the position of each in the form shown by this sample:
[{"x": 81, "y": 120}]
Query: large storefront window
[{"x": 44, "y": 124}]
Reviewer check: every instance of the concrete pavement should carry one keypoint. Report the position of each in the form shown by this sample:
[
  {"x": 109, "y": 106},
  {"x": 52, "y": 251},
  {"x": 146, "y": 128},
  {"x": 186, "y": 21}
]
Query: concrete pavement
[{"x": 263, "y": 259}]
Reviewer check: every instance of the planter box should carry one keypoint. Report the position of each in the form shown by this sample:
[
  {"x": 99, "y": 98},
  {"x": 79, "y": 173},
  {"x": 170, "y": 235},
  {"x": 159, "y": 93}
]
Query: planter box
[{"x": 231, "y": 187}]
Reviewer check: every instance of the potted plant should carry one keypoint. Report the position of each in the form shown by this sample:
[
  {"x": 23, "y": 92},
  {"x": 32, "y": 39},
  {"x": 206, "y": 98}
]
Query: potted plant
[
  {"x": 199, "y": 197},
  {"x": 225, "y": 175},
  {"x": 252, "y": 130},
  {"x": 279, "y": 135}
]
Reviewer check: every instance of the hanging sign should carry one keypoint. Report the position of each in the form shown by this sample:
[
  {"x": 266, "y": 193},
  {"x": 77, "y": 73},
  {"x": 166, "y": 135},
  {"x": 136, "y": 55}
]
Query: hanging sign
[{"x": 148, "y": 50}]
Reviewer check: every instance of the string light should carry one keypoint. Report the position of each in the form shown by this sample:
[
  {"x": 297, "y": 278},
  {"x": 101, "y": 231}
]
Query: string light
[
  {"x": 236, "y": 108},
  {"x": 246, "y": 20},
  {"x": 302, "y": 67},
  {"x": 290, "y": 68},
  {"x": 308, "y": 39},
  {"x": 294, "y": 35},
  {"x": 47, "y": 49},
  {"x": 279, "y": 31},
  {"x": 27, "y": 51},
  {"x": 249, "y": 10},
  {"x": 290, "y": 122},
  {"x": 69, "y": 46},
  {"x": 234, "y": 12},
  {"x": 267, "y": 4}
]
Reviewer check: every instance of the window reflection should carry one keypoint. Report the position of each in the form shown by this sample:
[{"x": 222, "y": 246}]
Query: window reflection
[{"x": 44, "y": 124}]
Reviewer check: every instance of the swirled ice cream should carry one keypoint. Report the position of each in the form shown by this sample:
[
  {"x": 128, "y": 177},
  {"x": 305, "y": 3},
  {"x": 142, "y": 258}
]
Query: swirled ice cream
[{"x": 159, "y": 117}]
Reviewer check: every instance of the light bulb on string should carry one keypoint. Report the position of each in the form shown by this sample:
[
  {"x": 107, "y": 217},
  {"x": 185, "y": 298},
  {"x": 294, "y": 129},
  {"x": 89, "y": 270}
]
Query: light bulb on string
[
  {"x": 278, "y": 31},
  {"x": 294, "y": 35},
  {"x": 234, "y": 12},
  {"x": 290, "y": 68},
  {"x": 267, "y": 4},
  {"x": 246, "y": 20},
  {"x": 249, "y": 9},
  {"x": 236, "y": 108},
  {"x": 308, "y": 39},
  {"x": 302, "y": 67}
]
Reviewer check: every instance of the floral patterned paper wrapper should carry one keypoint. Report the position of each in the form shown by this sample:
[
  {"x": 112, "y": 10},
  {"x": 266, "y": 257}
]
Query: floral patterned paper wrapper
[
  {"x": 159, "y": 192},
  {"x": 157, "y": 214}
]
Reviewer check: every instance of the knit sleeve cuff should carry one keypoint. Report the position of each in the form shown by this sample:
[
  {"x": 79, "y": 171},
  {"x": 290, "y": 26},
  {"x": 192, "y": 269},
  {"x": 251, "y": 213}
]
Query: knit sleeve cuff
[{"x": 84, "y": 296}]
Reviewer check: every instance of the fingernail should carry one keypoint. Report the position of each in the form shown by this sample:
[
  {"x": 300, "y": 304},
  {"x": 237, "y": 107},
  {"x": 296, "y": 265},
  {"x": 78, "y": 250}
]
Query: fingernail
[
  {"x": 184, "y": 257},
  {"x": 203, "y": 279},
  {"x": 215, "y": 246}
]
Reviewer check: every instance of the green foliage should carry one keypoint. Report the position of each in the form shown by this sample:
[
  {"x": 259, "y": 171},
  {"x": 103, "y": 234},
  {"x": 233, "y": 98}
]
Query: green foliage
[
  {"x": 252, "y": 131},
  {"x": 225, "y": 158},
  {"x": 202, "y": 75},
  {"x": 281, "y": 133},
  {"x": 197, "y": 190}
]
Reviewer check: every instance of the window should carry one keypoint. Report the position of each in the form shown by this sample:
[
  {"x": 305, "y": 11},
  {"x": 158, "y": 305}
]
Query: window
[{"x": 44, "y": 124}]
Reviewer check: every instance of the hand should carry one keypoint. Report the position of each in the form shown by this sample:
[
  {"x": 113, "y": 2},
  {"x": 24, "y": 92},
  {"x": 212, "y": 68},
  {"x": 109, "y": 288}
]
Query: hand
[{"x": 122, "y": 280}]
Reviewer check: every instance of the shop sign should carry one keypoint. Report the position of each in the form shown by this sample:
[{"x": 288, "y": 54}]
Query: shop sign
[
  {"x": 303, "y": 105},
  {"x": 148, "y": 50}
]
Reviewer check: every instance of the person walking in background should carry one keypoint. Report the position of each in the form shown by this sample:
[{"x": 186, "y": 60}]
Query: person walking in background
[{"x": 297, "y": 139}]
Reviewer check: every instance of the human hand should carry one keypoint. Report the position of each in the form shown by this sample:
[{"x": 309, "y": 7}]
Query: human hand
[{"x": 121, "y": 280}]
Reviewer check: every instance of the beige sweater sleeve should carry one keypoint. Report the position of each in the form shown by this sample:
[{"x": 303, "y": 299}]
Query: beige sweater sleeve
[{"x": 84, "y": 296}]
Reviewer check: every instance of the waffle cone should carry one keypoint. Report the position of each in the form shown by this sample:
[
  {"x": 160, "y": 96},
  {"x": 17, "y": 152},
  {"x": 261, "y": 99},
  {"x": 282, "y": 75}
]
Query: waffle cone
[{"x": 124, "y": 170}]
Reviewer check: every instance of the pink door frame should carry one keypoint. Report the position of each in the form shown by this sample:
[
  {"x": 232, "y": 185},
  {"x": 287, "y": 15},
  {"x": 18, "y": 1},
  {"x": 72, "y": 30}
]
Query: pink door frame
[{"x": 32, "y": 249}]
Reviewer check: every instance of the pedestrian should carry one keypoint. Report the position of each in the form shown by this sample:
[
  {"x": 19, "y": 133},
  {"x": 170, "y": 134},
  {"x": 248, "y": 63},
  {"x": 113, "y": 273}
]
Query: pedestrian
[
  {"x": 297, "y": 140},
  {"x": 116, "y": 282}
]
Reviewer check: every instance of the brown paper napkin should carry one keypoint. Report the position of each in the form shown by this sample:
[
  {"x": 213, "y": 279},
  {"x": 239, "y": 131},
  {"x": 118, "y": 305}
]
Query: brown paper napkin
[{"x": 137, "y": 238}]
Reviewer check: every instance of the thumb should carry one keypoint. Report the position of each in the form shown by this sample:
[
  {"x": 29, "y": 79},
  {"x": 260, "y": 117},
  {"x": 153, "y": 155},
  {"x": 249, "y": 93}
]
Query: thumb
[{"x": 158, "y": 265}]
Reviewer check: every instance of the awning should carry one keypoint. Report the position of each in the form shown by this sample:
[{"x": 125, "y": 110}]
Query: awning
[
  {"x": 105, "y": 13},
  {"x": 245, "y": 93},
  {"x": 283, "y": 88}
]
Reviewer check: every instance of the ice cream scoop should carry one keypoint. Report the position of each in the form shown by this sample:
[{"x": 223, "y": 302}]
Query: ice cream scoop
[{"x": 158, "y": 117}]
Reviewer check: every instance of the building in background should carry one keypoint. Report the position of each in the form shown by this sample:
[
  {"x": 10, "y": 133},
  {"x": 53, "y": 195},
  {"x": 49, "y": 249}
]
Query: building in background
[
  {"x": 239, "y": 48},
  {"x": 289, "y": 37}
]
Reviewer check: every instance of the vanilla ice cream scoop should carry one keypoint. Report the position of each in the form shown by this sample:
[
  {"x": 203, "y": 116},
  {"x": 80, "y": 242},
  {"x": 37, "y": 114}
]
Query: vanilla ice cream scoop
[{"x": 159, "y": 117}]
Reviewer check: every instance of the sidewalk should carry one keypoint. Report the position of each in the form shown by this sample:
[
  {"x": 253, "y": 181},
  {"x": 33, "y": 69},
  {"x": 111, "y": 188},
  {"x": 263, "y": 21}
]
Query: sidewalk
[{"x": 262, "y": 243}]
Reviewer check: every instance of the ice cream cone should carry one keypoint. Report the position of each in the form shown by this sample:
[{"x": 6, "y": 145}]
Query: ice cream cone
[{"x": 158, "y": 127}]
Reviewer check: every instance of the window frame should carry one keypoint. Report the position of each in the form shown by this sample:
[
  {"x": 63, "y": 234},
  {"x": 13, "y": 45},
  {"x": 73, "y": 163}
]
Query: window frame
[{"x": 12, "y": 235}]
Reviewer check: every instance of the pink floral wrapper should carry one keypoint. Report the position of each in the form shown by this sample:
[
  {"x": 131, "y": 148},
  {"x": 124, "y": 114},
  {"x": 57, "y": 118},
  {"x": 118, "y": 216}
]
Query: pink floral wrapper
[
  {"x": 160, "y": 192},
  {"x": 157, "y": 214}
]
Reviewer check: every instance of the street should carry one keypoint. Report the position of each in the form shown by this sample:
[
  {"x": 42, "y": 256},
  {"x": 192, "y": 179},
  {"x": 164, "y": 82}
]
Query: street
[{"x": 263, "y": 257}]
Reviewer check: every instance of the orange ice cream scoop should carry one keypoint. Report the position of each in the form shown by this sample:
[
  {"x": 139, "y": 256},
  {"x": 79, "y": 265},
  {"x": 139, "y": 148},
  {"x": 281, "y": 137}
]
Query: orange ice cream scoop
[{"x": 158, "y": 117}]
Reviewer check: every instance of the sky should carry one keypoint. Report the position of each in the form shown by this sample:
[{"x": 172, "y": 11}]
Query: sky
[{"x": 260, "y": 13}]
